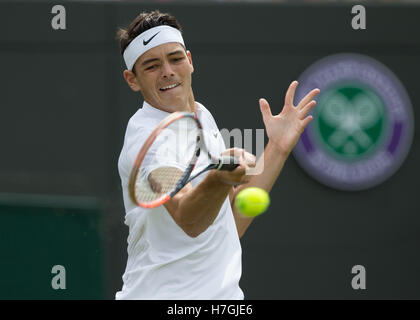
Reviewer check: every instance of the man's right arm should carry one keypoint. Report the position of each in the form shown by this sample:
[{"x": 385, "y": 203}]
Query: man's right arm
[{"x": 195, "y": 208}]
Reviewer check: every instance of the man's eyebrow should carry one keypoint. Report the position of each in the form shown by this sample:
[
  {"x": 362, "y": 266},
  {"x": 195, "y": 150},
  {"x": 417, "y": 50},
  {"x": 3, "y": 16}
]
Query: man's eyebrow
[
  {"x": 157, "y": 59},
  {"x": 175, "y": 52},
  {"x": 149, "y": 60}
]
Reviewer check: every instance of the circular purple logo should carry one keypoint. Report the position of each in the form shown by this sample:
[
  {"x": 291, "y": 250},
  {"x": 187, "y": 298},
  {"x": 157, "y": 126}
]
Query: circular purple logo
[{"x": 362, "y": 126}]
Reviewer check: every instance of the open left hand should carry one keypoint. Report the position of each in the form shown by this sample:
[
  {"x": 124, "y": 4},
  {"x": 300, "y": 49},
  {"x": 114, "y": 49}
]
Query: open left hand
[{"x": 285, "y": 128}]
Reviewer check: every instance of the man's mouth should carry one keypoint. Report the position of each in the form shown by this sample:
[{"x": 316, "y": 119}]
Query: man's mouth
[{"x": 169, "y": 87}]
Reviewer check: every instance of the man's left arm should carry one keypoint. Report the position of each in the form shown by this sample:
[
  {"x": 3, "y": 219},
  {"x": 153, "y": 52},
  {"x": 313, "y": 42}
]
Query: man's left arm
[{"x": 283, "y": 131}]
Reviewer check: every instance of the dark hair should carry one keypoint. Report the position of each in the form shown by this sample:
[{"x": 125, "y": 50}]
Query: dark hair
[{"x": 145, "y": 21}]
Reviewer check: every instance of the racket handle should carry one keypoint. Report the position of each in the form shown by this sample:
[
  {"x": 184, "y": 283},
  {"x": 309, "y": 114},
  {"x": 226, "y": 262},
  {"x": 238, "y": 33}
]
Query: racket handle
[{"x": 227, "y": 163}]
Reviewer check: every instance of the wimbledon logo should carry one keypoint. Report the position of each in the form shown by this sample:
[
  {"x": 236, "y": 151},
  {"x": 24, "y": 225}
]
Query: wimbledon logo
[{"x": 362, "y": 126}]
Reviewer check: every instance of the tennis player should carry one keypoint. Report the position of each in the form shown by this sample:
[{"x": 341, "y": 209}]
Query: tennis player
[{"x": 189, "y": 247}]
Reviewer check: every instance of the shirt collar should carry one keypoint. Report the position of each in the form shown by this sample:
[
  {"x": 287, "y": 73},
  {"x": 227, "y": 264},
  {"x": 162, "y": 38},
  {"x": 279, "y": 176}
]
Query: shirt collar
[
  {"x": 154, "y": 111},
  {"x": 163, "y": 114}
]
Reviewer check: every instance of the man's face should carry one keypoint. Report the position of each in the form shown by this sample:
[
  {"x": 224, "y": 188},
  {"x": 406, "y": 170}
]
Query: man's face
[{"x": 163, "y": 75}]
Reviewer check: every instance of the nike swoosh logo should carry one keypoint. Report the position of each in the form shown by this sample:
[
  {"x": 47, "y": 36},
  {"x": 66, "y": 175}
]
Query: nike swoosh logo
[
  {"x": 146, "y": 42},
  {"x": 215, "y": 134}
]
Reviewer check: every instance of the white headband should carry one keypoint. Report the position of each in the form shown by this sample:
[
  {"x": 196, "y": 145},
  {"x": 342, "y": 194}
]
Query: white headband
[{"x": 149, "y": 39}]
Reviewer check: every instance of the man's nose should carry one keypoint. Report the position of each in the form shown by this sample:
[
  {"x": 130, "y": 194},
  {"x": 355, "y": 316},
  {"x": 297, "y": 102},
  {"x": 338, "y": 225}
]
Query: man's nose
[{"x": 167, "y": 70}]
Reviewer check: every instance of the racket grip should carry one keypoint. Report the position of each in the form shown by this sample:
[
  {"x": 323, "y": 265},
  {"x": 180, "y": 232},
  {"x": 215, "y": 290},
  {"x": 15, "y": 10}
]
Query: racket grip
[{"x": 228, "y": 163}]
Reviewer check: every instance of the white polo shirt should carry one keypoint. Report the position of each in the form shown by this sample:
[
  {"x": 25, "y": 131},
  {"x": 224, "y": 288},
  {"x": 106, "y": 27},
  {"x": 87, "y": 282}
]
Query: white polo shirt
[{"x": 165, "y": 263}]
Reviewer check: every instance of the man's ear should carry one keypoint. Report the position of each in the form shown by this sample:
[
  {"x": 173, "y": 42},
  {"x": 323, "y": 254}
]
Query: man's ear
[
  {"x": 190, "y": 60},
  {"x": 131, "y": 80}
]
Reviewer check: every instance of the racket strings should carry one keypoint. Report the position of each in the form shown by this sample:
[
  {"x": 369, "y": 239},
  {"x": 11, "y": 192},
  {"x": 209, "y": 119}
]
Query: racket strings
[
  {"x": 160, "y": 182},
  {"x": 169, "y": 159}
]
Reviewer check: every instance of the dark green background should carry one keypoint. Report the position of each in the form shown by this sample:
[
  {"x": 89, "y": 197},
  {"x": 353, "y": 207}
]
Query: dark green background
[
  {"x": 65, "y": 107},
  {"x": 39, "y": 232}
]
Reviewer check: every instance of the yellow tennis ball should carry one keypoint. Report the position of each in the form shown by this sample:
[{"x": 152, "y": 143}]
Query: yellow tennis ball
[{"x": 252, "y": 201}]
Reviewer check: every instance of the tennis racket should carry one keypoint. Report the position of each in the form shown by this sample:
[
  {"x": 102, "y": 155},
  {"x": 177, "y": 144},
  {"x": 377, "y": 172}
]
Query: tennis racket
[{"x": 166, "y": 160}]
